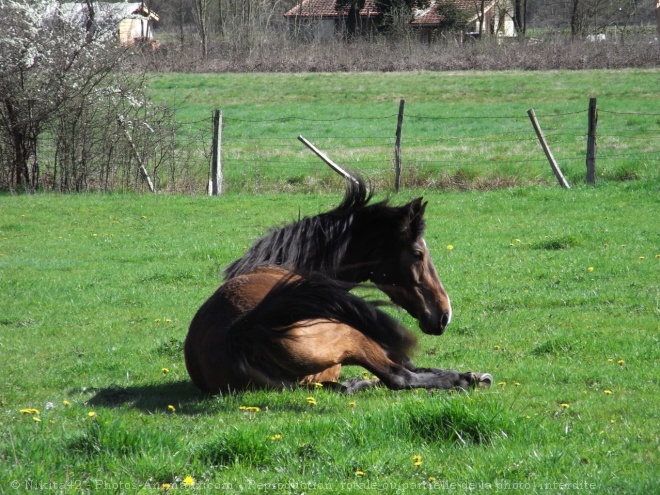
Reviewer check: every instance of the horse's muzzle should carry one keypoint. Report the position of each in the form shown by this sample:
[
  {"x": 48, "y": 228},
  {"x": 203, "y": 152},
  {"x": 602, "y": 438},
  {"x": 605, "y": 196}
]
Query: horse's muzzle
[{"x": 435, "y": 323}]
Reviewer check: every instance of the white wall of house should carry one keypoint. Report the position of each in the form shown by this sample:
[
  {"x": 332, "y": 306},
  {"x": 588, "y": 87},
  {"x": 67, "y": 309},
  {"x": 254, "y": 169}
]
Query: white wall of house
[{"x": 133, "y": 28}]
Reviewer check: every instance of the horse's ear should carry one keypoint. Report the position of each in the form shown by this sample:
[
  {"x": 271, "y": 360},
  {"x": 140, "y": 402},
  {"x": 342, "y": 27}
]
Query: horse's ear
[
  {"x": 415, "y": 222},
  {"x": 416, "y": 208}
]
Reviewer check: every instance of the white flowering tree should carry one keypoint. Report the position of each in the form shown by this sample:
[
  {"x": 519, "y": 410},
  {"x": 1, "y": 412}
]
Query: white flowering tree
[{"x": 61, "y": 81}]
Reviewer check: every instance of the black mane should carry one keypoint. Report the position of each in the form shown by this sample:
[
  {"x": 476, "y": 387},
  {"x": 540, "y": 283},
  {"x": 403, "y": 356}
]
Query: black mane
[
  {"x": 320, "y": 243},
  {"x": 314, "y": 243}
]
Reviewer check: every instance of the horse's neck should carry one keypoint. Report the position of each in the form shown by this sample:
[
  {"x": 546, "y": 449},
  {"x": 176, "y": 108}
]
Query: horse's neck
[{"x": 358, "y": 261}]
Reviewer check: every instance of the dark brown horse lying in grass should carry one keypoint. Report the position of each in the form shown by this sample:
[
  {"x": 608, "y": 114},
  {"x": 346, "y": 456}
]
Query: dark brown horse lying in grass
[
  {"x": 285, "y": 316},
  {"x": 273, "y": 329}
]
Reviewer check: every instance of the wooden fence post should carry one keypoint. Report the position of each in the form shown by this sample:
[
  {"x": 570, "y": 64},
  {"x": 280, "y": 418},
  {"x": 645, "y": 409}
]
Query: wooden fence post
[
  {"x": 546, "y": 149},
  {"x": 397, "y": 148},
  {"x": 215, "y": 187},
  {"x": 591, "y": 142}
]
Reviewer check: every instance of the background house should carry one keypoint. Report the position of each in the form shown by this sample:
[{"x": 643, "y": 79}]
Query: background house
[
  {"x": 496, "y": 18},
  {"x": 132, "y": 21},
  {"x": 322, "y": 19}
]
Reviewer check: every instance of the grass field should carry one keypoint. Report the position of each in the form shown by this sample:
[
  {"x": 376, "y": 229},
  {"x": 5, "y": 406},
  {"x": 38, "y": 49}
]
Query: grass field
[
  {"x": 460, "y": 130},
  {"x": 555, "y": 293}
]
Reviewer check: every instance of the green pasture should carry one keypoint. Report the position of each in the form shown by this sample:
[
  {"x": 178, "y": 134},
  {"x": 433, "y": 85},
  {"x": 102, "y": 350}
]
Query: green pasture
[
  {"x": 465, "y": 130},
  {"x": 555, "y": 293}
]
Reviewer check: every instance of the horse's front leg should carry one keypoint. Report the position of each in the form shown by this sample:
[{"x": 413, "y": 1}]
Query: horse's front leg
[
  {"x": 400, "y": 378},
  {"x": 472, "y": 379}
]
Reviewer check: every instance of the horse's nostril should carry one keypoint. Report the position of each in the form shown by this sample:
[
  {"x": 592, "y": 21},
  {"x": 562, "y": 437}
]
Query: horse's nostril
[{"x": 444, "y": 320}]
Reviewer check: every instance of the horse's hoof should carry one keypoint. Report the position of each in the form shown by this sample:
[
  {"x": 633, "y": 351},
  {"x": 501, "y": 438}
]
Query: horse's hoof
[{"x": 482, "y": 380}]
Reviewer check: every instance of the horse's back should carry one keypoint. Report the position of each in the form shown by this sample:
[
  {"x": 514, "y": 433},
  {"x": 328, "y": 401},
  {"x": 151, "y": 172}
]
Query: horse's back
[{"x": 207, "y": 348}]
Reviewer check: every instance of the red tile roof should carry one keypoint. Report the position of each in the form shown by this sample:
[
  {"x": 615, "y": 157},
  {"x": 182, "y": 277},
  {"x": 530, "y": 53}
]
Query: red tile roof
[
  {"x": 423, "y": 17},
  {"x": 328, "y": 8},
  {"x": 431, "y": 17}
]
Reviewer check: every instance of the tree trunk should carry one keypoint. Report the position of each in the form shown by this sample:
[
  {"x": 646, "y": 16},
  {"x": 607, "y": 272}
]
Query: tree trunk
[
  {"x": 90, "y": 26},
  {"x": 520, "y": 17},
  {"x": 181, "y": 22},
  {"x": 576, "y": 27}
]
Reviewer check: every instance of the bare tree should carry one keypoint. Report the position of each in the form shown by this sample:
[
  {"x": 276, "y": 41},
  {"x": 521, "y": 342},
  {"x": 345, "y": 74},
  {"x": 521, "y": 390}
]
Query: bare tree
[
  {"x": 520, "y": 16},
  {"x": 61, "y": 77},
  {"x": 202, "y": 13},
  {"x": 588, "y": 16}
]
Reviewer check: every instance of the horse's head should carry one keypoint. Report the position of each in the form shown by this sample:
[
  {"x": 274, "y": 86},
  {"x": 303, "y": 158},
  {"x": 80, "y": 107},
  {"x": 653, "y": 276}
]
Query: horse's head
[{"x": 405, "y": 271}]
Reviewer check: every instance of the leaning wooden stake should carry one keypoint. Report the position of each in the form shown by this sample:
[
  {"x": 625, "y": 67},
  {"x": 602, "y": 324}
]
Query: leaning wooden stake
[
  {"x": 546, "y": 149},
  {"x": 327, "y": 160},
  {"x": 591, "y": 142},
  {"x": 143, "y": 170}
]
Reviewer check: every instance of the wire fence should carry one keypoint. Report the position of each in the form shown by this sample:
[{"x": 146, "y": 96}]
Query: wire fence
[
  {"x": 471, "y": 151},
  {"x": 437, "y": 151}
]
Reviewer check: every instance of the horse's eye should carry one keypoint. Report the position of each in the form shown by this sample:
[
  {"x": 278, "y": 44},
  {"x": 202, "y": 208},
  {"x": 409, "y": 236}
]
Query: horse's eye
[{"x": 418, "y": 254}]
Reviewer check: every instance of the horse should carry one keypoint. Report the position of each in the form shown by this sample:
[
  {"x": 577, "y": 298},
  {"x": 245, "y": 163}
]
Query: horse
[
  {"x": 274, "y": 329},
  {"x": 333, "y": 252},
  {"x": 360, "y": 241}
]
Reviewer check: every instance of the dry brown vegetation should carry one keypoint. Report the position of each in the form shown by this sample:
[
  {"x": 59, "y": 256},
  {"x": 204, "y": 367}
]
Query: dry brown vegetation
[{"x": 287, "y": 55}]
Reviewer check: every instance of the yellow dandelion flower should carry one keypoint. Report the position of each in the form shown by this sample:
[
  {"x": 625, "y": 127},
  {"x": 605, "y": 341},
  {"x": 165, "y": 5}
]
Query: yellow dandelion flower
[
  {"x": 590, "y": 269},
  {"x": 657, "y": 256},
  {"x": 168, "y": 320},
  {"x": 352, "y": 404},
  {"x": 276, "y": 437},
  {"x": 166, "y": 486},
  {"x": 188, "y": 481},
  {"x": 620, "y": 362},
  {"x": 318, "y": 385},
  {"x": 528, "y": 416},
  {"x": 171, "y": 408},
  {"x": 450, "y": 247},
  {"x": 91, "y": 414},
  {"x": 359, "y": 473},
  {"x": 502, "y": 384},
  {"x": 417, "y": 460},
  {"x": 512, "y": 245},
  {"x": 610, "y": 360},
  {"x": 311, "y": 401},
  {"x": 612, "y": 421},
  {"x": 497, "y": 347},
  {"x": 164, "y": 371},
  {"x": 30, "y": 411},
  {"x": 517, "y": 384},
  {"x": 431, "y": 479},
  {"x": 157, "y": 320},
  {"x": 37, "y": 419},
  {"x": 249, "y": 409},
  {"x": 565, "y": 405},
  {"x": 66, "y": 403},
  {"x": 608, "y": 392}
]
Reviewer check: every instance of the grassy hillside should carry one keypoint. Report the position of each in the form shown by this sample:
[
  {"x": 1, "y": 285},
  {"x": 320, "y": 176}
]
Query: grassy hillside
[{"x": 555, "y": 293}]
